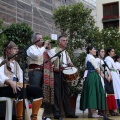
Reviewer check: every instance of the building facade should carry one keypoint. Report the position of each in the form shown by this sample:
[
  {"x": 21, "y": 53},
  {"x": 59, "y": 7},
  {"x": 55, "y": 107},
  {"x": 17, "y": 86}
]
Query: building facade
[
  {"x": 91, "y": 4},
  {"x": 36, "y": 13},
  {"x": 108, "y": 13}
]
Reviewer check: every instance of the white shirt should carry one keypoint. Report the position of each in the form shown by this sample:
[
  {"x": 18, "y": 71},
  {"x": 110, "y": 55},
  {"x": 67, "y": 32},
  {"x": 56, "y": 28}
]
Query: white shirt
[
  {"x": 65, "y": 63},
  {"x": 92, "y": 60},
  {"x": 110, "y": 62},
  {"x": 34, "y": 51},
  {"x": 99, "y": 62},
  {"x": 117, "y": 65},
  {"x": 3, "y": 77}
]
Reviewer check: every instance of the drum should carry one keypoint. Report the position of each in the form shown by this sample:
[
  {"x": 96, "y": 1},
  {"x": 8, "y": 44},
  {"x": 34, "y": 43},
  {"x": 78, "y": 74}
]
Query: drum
[{"x": 70, "y": 73}]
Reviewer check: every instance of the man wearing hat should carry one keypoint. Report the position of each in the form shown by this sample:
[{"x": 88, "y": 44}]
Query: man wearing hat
[{"x": 10, "y": 82}]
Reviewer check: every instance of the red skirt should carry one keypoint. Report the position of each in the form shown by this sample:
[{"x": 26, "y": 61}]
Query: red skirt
[{"x": 111, "y": 102}]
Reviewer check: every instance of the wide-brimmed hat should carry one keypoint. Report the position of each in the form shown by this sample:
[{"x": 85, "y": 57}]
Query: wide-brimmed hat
[{"x": 10, "y": 44}]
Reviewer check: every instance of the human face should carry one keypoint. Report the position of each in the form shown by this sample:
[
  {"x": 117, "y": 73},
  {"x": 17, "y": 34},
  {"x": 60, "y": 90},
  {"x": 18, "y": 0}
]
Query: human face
[
  {"x": 112, "y": 53},
  {"x": 12, "y": 51},
  {"x": 39, "y": 37},
  {"x": 93, "y": 51},
  {"x": 63, "y": 42},
  {"x": 102, "y": 53},
  {"x": 118, "y": 59}
]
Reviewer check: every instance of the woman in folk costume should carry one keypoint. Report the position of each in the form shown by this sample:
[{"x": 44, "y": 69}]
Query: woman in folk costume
[
  {"x": 93, "y": 95},
  {"x": 115, "y": 74},
  {"x": 107, "y": 83},
  {"x": 117, "y": 62},
  {"x": 11, "y": 80}
]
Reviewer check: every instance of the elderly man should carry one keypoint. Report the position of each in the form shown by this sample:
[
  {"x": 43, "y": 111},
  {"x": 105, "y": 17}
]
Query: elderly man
[
  {"x": 11, "y": 77},
  {"x": 35, "y": 60},
  {"x": 61, "y": 92}
]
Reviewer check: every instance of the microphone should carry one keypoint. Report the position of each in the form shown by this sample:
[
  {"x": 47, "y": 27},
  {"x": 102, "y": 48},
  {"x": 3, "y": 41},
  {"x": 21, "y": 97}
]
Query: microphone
[
  {"x": 57, "y": 54},
  {"x": 3, "y": 62},
  {"x": 35, "y": 42}
]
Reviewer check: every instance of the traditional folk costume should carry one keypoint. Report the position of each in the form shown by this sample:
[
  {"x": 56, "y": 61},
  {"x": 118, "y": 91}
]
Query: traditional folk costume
[
  {"x": 35, "y": 61},
  {"x": 48, "y": 80},
  {"x": 16, "y": 74},
  {"x": 40, "y": 73},
  {"x": 93, "y": 95},
  {"x": 61, "y": 92},
  {"x": 115, "y": 76},
  {"x": 111, "y": 102},
  {"x": 118, "y": 66}
]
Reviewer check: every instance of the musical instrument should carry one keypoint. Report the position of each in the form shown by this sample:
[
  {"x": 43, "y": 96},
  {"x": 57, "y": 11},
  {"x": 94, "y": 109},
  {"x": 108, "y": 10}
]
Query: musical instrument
[{"x": 70, "y": 74}]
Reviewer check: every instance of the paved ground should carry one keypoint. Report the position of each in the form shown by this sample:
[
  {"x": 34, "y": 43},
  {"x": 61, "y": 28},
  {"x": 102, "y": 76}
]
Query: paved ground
[{"x": 82, "y": 116}]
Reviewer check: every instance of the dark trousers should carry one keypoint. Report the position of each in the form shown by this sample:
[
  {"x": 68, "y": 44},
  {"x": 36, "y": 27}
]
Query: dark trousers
[
  {"x": 61, "y": 95},
  {"x": 30, "y": 92},
  {"x": 36, "y": 78}
]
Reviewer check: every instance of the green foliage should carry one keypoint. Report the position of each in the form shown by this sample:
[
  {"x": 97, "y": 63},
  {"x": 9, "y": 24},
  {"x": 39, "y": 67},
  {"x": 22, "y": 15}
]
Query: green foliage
[
  {"x": 111, "y": 38},
  {"x": 54, "y": 44},
  {"x": 20, "y": 33},
  {"x": 75, "y": 21},
  {"x": 2, "y": 36}
]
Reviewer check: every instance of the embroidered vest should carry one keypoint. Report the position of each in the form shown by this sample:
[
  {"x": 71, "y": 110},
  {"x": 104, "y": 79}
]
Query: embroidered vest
[
  {"x": 10, "y": 74},
  {"x": 37, "y": 61},
  {"x": 56, "y": 62}
]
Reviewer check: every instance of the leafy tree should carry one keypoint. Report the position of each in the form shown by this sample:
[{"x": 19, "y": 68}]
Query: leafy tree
[
  {"x": 20, "y": 33},
  {"x": 75, "y": 21},
  {"x": 110, "y": 37},
  {"x": 2, "y": 36},
  {"x": 53, "y": 44}
]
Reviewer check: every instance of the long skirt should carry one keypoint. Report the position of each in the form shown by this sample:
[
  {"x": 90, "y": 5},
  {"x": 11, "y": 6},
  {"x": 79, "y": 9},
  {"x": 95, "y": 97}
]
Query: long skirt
[
  {"x": 116, "y": 84},
  {"x": 111, "y": 102},
  {"x": 93, "y": 95}
]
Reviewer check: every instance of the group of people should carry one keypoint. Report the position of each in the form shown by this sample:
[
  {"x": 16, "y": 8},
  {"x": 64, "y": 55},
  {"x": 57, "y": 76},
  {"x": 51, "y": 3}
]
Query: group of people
[
  {"x": 12, "y": 76},
  {"x": 100, "y": 89},
  {"x": 102, "y": 83}
]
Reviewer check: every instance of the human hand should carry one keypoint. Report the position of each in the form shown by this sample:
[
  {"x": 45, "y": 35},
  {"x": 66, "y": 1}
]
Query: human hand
[
  {"x": 108, "y": 79},
  {"x": 47, "y": 44},
  {"x": 102, "y": 75},
  {"x": 14, "y": 86}
]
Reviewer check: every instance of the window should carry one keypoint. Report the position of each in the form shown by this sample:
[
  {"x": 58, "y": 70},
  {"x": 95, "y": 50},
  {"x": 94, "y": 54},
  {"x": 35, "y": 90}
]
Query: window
[
  {"x": 111, "y": 10},
  {"x": 111, "y": 24},
  {"x": 111, "y": 15}
]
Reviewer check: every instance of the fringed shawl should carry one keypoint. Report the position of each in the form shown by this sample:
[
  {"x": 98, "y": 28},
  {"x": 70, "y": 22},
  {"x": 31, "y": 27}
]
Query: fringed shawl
[{"x": 48, "y": 85}]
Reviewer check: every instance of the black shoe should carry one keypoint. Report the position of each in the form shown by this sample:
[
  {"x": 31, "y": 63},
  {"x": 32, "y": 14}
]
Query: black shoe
[
  {"x": 72, "y": 116},
  {"x": 58, "y": 117}
]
